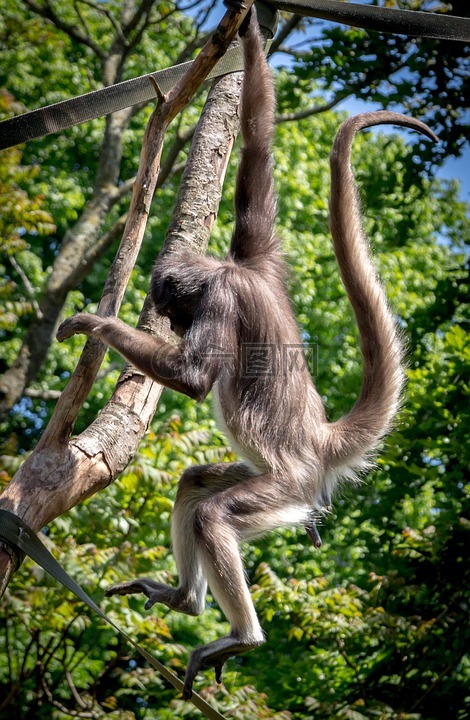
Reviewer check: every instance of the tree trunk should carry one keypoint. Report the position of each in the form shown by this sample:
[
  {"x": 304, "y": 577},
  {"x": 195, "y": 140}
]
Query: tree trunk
[
  {"x": 79, "y": 250},
  {"x": 62, "y": 472}
]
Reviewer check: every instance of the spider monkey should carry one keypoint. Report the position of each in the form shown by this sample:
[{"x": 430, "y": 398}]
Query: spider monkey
[{"x": 226, "y": 311}]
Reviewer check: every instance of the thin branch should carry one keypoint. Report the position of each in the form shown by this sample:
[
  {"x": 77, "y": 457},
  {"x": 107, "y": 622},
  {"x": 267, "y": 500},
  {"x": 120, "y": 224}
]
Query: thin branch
[
  {"x": 29, "y": 288},
  {"x": 314, "y": 110},
  {"x": 197, "y": 42},
  {"x": 288, "y": 27},
  {"x": 62, "y": 708},
  {"x": 128, "y": 26},
  {"x": 122, "y": 190},
  {"x": 25, "y": 657},
  {"x": 82, "y": 20},
  {"x": 192, "y": 5},
  {"x": 342, "y": 649},
  {"x": 294, "y": 54},
  {"x": 107, "y": 13},
  {"x": 74, "y": 32},
  {"x": 76, "y": 695},
  {"x": 8, "y": 648},
  {"x": 42, "y": 394}
]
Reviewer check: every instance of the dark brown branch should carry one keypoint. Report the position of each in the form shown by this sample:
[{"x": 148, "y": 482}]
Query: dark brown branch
[
  {"x": 314, "y": 110},
  {"x": 288, "y": 27},
  {"x": 73, "y": 31},
  {"x": 100, "y": 8},
  {"x": 197, "y": 42}
]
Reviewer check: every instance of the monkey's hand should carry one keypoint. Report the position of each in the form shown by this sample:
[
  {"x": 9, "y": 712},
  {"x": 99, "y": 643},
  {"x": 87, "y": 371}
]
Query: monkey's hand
[
  {"x": 81, "y": 323},
  {"x": 237, "y": 5},
  {"x": 215, "y": 655}
]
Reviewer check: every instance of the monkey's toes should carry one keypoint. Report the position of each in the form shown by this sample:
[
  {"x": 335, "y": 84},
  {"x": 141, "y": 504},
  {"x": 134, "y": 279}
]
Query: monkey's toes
[
  {"x": 126, "y": 588},
  {"x": 214, "y": 655}
]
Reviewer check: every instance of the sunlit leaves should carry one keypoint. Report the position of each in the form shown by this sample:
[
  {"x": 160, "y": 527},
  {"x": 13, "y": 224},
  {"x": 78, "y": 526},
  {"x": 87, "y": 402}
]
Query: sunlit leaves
[{"x": 373, "y": 625}]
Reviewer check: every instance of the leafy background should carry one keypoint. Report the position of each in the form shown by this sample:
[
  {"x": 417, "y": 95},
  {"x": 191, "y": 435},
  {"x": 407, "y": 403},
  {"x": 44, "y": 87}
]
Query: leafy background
[{"x": 375, "y": 624}]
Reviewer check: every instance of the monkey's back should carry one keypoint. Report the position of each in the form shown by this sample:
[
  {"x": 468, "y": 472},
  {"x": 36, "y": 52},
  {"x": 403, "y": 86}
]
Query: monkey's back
[{"x": 265, "y": 400}]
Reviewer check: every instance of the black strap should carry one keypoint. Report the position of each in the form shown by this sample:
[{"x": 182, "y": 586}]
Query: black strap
[
  {"x": 16, "y": 533},
  {"x": 65, "y": 114},
  {"x": 440, "y": 26},
  {"x": 77, "y": 110}
]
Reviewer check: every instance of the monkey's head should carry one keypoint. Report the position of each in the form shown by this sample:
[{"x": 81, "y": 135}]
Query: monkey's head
[{"x": 178, "y": 285}]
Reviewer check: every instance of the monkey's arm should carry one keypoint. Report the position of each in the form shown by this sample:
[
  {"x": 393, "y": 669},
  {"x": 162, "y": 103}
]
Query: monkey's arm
[
  {"x": 255, "y": 203},
  {"x": 169, "y": 365}
]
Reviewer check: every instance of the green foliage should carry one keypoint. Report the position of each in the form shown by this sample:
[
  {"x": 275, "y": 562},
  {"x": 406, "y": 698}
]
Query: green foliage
[
  {"x": 375, "y": 624},
  {"x": 23, "y": 215}
]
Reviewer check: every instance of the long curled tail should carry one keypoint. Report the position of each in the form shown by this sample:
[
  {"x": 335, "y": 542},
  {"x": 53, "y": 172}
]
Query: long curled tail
[{"x": 358, "y": 432}]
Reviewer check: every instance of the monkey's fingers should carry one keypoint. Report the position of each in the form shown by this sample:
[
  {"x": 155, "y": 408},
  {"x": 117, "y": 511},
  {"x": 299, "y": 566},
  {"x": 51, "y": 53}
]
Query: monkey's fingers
[
  {"x": 235, "y": 4},
  {"x": 81, "y": 323},
  {"x": 131, "y": 587}
]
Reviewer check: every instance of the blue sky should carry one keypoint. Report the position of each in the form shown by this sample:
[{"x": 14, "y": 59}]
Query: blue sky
[
  {"x": 453, "y": 168},
  {"x": 458, "y": 168}
]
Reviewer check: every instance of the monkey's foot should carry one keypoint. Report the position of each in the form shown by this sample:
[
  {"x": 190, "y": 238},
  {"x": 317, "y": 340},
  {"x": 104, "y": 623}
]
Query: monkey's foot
[
  {"x": 81, "y": 323},
  {"x": 215, "y": 655},
  {"x": 174, "y": 598}
]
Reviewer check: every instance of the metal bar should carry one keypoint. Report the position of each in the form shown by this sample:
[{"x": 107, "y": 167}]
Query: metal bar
[
  {"x": 414, "y": 23},
  {"x": 65, "y": 114}
]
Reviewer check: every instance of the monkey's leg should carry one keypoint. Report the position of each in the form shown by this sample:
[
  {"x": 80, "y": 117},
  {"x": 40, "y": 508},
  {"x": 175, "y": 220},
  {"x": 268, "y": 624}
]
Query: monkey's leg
[
  {"x": 196, "y": 484},
  {"x": 189, "y": 596},
  {"x": 248, "y": 508}
]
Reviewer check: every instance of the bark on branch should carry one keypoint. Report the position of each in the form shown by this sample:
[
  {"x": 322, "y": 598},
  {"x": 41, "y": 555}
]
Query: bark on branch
[
  {"x": 83, "y": 243},
  {"x": 62, "y": 472}
]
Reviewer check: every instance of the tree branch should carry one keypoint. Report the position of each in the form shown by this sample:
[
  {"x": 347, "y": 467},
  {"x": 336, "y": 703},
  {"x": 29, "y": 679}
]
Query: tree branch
[
  {"x": 28, "y": 287},
  {"x": 108, "y": 14},
  {"x": 73, "y": 31},
  {"x": 314, "y": 110},
  {"x": 289, "y": 26},
  {"x": 77, "y": 468}
]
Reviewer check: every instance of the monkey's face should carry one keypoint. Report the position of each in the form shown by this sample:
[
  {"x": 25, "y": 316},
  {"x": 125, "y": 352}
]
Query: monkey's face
[
  {"x": 178, "y": 288},
  {"x": 180, "y": 321},
  {"x": 175, "y": 301}
]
